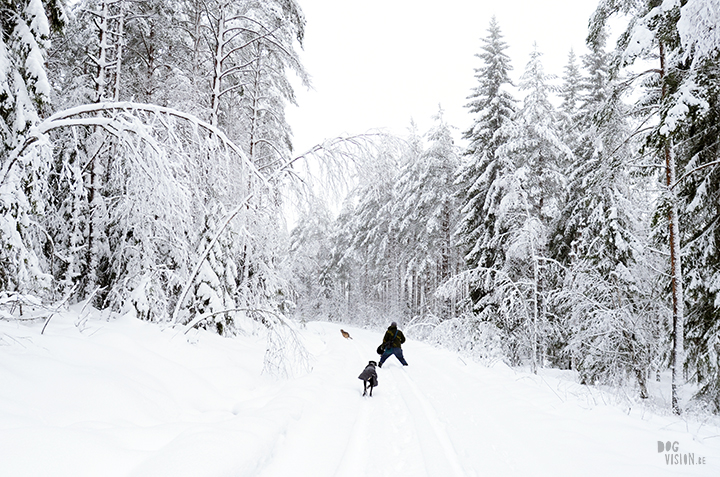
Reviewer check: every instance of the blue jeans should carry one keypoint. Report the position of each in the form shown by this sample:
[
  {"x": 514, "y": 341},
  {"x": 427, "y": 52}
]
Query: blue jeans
[{"x": 398, "y": 354}]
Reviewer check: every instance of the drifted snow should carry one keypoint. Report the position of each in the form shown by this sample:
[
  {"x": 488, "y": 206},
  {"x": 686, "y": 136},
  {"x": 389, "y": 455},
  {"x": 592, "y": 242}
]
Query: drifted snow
[{"x": 124, "y": 398}]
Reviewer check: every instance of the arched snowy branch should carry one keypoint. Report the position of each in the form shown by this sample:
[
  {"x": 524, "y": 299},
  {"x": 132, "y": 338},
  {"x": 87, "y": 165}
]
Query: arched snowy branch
[{"x": 124, "y": 118}]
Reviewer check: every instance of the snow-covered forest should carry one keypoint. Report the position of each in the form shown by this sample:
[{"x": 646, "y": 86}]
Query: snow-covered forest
[{"x": 146, "y": 164}]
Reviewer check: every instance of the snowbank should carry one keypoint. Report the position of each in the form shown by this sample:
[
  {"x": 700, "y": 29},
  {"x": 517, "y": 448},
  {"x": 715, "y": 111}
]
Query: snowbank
[{"x": 92, "y": 397}]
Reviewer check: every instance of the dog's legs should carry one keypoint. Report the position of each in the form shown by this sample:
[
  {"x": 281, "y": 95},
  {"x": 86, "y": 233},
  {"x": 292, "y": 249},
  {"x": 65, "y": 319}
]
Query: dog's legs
[
  {"x": 365, "y": 383},
  {"x": 371, "y": 388}
]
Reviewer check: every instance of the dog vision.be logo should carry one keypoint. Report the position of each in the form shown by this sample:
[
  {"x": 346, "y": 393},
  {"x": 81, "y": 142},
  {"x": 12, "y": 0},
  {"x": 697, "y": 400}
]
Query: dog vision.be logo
[{"x": 673, "y": 455}]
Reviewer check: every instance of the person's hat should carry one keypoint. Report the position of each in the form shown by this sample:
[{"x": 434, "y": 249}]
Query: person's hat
[{"x": 393, "y": 325}]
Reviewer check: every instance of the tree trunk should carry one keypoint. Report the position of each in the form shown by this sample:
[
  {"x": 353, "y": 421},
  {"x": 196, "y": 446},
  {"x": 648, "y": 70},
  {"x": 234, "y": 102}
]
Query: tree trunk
[
  {"x": 102, "y": 59},
  {"x": 678, "y": 299},
  {"x": 101, "y": 92},
  {"x": 119, "y": 50},
  {"x": 217, "y": 70},
  {"x": 536, "y": 297},
  {"x": 255, "y": 106}
]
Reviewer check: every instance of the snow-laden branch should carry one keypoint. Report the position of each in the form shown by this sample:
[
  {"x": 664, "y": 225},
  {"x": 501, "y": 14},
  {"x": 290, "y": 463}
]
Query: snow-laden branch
[
  {"x": 69, "y": 117},
  {"x": 15, "y": 155},
  {"x": 247, "y": 43},
  {"x": 698, "y": 168},
  {"x": 200, "y": 318},
  {"x": 231, "y": 88},
  {"x": 325, "y": 147},
  {"x": 128, "y": 118},
  {"x": 234, "y": 69}
]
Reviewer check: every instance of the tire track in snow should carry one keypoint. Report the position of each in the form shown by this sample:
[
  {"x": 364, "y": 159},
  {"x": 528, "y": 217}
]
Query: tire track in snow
[
  {"x": 426, "y": 419},
  {"x": 406, "y": 445},
  {"x": 374, "y": 426},
  {"x": 380, "y": 442},
  {"x": 477, "y": 425},
  {"x": 354, "y": 459}
]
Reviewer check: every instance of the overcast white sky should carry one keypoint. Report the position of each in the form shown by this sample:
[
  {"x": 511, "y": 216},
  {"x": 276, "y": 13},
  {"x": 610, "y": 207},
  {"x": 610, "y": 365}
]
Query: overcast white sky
[{"x": 379, "y": 63}]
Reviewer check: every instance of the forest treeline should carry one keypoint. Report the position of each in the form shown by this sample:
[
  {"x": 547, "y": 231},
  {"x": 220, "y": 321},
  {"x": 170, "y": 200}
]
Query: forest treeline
[
  {"x": 145, "y": 155},
  {"x": 579, "y": 227},
  {"x": 143, "y": 141}
]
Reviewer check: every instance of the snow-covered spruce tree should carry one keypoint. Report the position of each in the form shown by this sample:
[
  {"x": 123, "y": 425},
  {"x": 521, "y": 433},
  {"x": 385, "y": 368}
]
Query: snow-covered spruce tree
[
  {"x": 480, "y": 177},
  {"x": 24, "y": 95},
  {"x": 72, "y": 76},
  {"x": 85, "y": 63},
  {"x": 610, "y": 319},
  {"x": 345, "y": 270},
  {"x": 532, "y": 202},
  {"x": 536, "y": 142},
  {"x": 88, "y": 64},
  {"x": 570, "y": 92},
  {"x": 681, "y": 39},
  {"x": 699, "y": 191},
  {"x": 425, "y": 212},
  {"x": 392, "y": 245}
]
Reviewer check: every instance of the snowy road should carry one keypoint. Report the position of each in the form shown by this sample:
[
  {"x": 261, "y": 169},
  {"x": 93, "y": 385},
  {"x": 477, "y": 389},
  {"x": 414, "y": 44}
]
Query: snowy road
[
  {"x": 126, "y": 399},
  {"x": 443, "y": 416}
]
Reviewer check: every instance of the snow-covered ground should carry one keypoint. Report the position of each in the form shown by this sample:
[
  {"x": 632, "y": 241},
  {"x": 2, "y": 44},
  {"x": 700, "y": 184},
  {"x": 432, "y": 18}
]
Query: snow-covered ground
[{"x": 97, "y": 398}]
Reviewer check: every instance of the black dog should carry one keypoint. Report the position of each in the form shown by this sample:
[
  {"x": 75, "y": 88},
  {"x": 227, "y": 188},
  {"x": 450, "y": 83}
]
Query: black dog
[{"x": 369, "y": 377}]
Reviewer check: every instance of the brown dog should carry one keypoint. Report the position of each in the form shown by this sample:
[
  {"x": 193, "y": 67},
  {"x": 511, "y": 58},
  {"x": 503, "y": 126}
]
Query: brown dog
[{"x": 346, "y": 335}]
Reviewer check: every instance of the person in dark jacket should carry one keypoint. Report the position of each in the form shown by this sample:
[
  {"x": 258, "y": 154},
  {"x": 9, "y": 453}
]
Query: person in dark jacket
[
  {"x": 392, "y": 341},
  {"x": 369, "y": 377}
]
